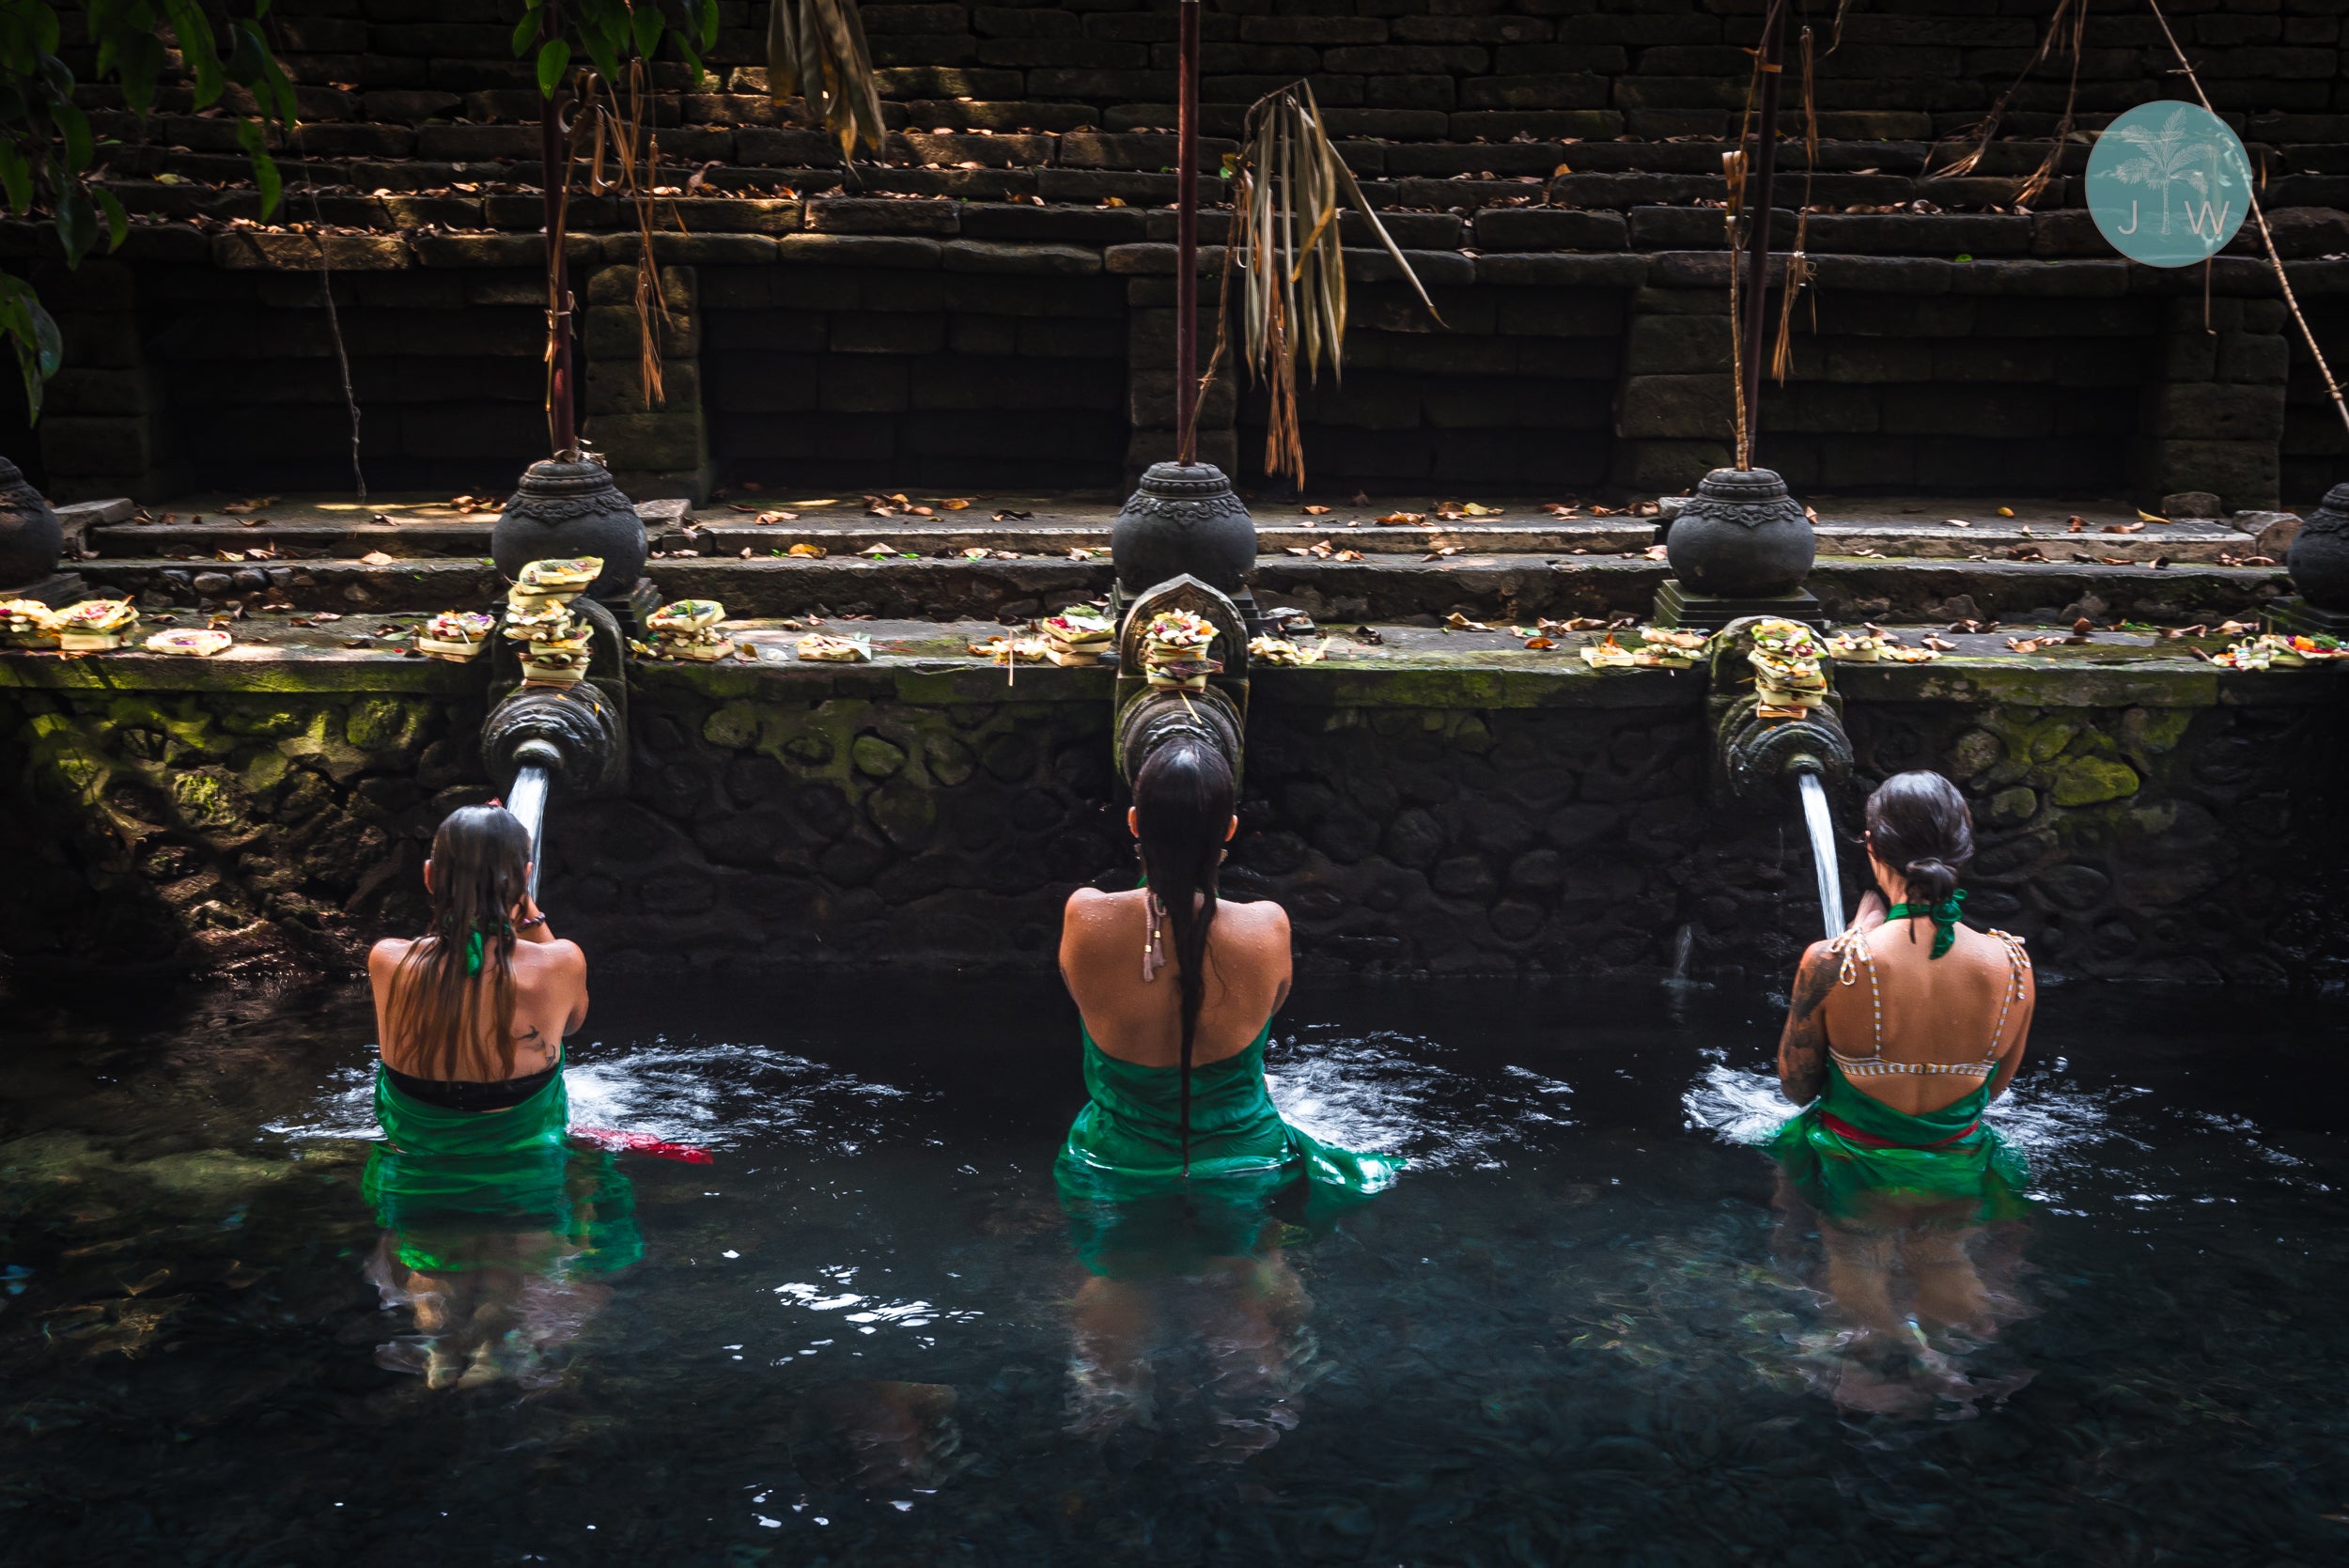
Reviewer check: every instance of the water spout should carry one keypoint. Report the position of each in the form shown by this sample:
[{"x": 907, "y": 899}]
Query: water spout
[
  {"x": 527, "y": 799},
  {"x": 1822, "y": 825}
]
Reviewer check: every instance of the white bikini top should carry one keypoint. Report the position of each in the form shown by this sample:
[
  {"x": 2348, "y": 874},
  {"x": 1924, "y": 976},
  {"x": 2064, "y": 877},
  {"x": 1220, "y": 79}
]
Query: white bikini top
[{"x": 1854, "y": 944}]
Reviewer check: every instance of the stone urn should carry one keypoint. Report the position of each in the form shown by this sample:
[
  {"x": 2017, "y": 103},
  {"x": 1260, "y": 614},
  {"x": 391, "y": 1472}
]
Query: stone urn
[
  {"x": 1741, "y": 537},
  {"x": 1185, "y": 520},
  {"x": 563, "y": 509},
  {"x": 30, "y": 538},
  {"x": 2319, "y": 558}
]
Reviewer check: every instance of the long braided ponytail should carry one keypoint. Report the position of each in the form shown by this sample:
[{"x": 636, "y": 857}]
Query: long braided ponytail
[{"x": 1182, "y": 811}]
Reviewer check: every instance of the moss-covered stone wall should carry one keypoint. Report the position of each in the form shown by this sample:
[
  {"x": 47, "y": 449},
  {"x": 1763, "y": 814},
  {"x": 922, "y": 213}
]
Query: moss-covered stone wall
[{"x": 1419, "y": 821}]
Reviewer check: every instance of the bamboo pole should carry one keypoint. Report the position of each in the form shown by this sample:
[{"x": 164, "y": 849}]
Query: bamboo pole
[
  {"x": 1762, "y": 168},
  {"x": 1187, "y": 233},
  {"x": 562, "y": 406}
]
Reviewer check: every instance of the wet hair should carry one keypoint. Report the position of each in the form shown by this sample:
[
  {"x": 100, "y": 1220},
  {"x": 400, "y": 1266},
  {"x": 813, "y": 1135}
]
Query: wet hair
[
  {"x": 1917, "y": 824},
  {"x": 1182, "y": 811},
  {"x": 480, "y": 869}
]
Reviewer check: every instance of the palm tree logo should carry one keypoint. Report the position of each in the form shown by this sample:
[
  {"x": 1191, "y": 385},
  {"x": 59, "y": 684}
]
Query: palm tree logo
[{"x": 2179, "y": 152}]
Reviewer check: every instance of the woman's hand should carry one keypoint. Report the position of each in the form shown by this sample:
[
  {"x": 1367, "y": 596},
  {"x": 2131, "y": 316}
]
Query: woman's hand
[
  {"x": 531, "y": 926},
  {"x": 1871, "y": 913}
]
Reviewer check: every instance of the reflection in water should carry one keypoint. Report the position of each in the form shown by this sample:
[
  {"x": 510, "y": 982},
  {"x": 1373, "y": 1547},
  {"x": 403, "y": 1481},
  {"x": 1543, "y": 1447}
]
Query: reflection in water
[
  {"x": 1920, "y": 1248},
  {"x": 1192, "y": 1318},
  {"x": 496, "y": 1224},
  {"x": 1577, "y": 1331}
]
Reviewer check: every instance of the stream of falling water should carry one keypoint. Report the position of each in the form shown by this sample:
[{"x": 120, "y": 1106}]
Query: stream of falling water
[
  {"x": 1822, "y": 825},
  {"x": 528, "y": 801}
]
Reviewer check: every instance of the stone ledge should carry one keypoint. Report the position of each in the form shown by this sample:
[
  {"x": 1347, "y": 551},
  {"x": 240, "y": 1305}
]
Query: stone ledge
[{"x": 1419, "y": 667}]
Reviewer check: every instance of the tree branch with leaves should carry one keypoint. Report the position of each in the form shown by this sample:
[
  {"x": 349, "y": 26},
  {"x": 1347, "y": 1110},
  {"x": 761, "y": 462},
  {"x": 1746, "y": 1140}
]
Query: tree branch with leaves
[{"x": 52, "y": 162}]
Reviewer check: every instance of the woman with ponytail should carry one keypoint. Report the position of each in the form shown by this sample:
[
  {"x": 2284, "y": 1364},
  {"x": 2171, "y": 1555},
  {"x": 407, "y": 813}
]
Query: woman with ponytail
[
  {"x": 1901, "y": 1033},
  {"x": 475, "y": 1183},
  {"x": 1177, "y": 988}
]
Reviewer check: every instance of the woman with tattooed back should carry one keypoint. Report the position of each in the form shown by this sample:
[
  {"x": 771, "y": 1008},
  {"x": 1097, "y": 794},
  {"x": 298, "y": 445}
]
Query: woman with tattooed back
[
  {"x": 490, "y": 1212},
  {"x": 1902, "y": 1031}
]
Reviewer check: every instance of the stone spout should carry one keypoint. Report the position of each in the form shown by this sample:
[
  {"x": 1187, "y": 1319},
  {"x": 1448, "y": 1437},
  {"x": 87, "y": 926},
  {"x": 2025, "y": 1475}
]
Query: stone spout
[{"x": 1150, "y": 712}]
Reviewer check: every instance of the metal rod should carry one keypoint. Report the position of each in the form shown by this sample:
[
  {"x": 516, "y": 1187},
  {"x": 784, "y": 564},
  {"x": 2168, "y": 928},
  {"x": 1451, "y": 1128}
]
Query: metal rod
[
  {"x": 1764, "y": 167},
  {"x": 562, "y": 409},
  {"x": 1821, "y": 822},
  {"x": 1186, "y": 231},
  {"x": 527, "y": 799}
]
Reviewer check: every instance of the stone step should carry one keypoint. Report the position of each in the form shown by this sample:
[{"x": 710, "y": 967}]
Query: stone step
[
  {"x": 1923, "y": 528},
  {"x": 1483, "y": 587}
]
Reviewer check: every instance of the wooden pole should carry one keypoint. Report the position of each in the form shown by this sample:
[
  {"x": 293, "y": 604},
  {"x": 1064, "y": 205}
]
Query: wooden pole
[
  {"x": 1763, "y": 165},
  {"x": 1187, "y": 232},
  {"x": 562, "y": 405}
]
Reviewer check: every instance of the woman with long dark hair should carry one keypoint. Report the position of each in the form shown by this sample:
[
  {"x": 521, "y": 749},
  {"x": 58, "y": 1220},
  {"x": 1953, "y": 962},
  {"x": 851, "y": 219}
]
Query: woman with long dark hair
[
  {"x": 1901, "y": 1033},
  {"x": 478, "y": 1188},
  {"x": 1167, "y": 1172}
]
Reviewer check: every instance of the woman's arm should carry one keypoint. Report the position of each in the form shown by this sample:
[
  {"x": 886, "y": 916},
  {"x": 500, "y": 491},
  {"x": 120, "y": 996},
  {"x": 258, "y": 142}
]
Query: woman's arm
[
  {"x": 1803, "y": 1048},
  {"x": 2011, "y": 1061},
  {"x": 575, "y": 983},
  {"x": 530, "y": 922}
]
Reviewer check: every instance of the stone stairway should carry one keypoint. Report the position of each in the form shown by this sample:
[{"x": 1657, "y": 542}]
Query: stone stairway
[
  {"x": 1017, "y": 557},
  {"x": 988, "y": 304}
]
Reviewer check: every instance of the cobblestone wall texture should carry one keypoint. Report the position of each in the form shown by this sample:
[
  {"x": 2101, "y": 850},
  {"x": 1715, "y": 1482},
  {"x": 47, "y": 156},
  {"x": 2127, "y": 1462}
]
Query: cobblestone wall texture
[{"x": 165, "y": 829}]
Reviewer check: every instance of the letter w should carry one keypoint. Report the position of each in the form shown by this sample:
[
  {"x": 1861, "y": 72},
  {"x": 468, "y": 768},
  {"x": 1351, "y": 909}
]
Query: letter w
[{"x": 2218, "y": 220}]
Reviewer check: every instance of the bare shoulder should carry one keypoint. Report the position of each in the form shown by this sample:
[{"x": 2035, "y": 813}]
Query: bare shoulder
[
  {"x": 386, "y": 954},
  {"x": 557, "y": 957},
  {"x": 1814, "y": 978},
  {"x": 1263, "y": 918}
]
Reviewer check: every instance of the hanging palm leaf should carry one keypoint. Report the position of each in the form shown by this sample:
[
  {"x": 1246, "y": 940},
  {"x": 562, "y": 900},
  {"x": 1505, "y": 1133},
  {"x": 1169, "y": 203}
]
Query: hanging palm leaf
[
  {"x": 815, "y": 49},
  {"x": 1284, "y": 257}
]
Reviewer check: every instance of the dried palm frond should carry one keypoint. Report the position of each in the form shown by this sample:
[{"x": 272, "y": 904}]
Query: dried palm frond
[
  {"x": 1285, "y": 248},
  {"x": 815, "y": 49},
  {"x": 1799, "y": 269},
  {"x": 635, "y": 150},
  {"x": 2075, "y": 13}
]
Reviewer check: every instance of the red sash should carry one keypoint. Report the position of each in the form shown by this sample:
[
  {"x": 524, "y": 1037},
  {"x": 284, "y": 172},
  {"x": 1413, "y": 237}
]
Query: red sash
[{"x": 1850, "y": 1134}]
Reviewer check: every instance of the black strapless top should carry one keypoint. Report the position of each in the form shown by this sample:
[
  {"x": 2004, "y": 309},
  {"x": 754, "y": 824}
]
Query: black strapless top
[{"x": 472, "y": 1093}]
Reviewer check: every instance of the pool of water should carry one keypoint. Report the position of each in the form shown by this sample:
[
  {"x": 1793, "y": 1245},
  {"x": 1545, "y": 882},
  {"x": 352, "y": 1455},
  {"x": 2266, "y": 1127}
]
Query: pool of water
[{"x": 1581, "y": 1328}]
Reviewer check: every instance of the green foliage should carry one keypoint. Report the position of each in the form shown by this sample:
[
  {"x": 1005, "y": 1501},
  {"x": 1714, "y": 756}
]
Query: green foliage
[
  {"x": 48, "y": 156},
  {"x": 607, "y": 32}
]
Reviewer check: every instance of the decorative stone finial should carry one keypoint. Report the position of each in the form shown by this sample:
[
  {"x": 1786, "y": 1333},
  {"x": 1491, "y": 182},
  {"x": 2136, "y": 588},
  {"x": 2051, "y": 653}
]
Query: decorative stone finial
[{"x": 565, "y": 509}]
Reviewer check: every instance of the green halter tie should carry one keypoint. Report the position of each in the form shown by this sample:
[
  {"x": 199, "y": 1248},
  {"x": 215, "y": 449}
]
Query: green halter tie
[{"x": 1943, "y": 915}]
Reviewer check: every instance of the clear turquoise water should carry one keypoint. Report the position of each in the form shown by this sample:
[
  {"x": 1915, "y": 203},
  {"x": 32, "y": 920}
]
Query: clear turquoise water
[{"x": 1579, "y": 1331}]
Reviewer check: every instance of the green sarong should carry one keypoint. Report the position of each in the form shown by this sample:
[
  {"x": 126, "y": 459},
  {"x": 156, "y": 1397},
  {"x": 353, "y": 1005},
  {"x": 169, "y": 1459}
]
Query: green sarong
[
  {"x": 1133, "y": 1213},
  {"x": 1853, "y": 1158},
  {"x": 458, "y": 1190}
]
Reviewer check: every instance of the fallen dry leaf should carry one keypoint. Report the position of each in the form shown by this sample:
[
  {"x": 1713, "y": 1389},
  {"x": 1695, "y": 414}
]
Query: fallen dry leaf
[
  {"x": 1957, "y": 522},
  {"x": 1315, "y": 511},
  {"x": 956, "y": 503},
  {"x": 1009, "y": 516},
  {"x": 2124, "y": 528},
  {"x": 808, "y": 552},
  {"x": 2077, "y": 525},
  {"x": 1347, "y": 555},
  {"x": 372, "y": 558},
  {"x": 1655, "y": 553},
  {"x": 2023, "y": 644},
  {"x": 1458, "y": 622},
  {"x": 1403, "y": 518},
  {"x": 1539, "y": 644},
  {"x": 777, "y": 516},
  {"x": 2143, "y": 516},
  {"x": 2006, "y": 511}
]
